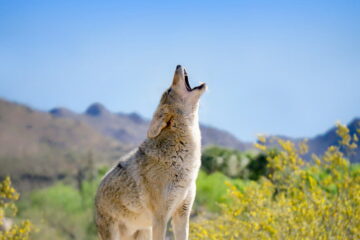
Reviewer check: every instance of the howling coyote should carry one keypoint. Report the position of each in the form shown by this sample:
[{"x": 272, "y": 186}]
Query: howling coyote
[{"x": 156, "y": 182}]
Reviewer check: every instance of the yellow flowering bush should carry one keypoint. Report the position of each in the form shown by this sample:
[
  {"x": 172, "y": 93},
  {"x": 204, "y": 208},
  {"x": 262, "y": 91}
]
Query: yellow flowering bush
[
  {"x": 8, "y": 195},
  {"x": 297, "y": 200}
]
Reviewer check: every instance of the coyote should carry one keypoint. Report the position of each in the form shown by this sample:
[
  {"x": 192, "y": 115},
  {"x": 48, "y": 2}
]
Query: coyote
[{"x": 156, "y": 182}]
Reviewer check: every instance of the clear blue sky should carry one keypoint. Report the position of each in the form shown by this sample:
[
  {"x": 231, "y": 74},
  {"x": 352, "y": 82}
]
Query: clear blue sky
[{"x": 275, "y": 67}]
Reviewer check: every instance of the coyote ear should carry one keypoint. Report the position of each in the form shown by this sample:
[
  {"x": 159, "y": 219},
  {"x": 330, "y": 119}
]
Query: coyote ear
[{"x": 157, "y": 124}]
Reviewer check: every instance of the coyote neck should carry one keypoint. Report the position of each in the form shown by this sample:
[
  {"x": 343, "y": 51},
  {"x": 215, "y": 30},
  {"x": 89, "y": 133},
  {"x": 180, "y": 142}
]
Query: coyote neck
[{"x": 182, "y": 141}]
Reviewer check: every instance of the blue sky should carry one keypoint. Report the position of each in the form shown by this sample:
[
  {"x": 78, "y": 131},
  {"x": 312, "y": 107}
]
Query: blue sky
[{"x": 275, "y": 67}]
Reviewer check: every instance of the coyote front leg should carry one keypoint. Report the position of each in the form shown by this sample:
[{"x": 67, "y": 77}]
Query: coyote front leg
[
  {"x": 159, "y": 228},
  {"x": 180, "y": 219}
]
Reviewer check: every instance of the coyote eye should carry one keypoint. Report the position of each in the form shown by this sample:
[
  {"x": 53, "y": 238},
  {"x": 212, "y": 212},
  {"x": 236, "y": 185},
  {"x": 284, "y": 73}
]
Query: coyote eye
[{"x": 169, "y": 90}]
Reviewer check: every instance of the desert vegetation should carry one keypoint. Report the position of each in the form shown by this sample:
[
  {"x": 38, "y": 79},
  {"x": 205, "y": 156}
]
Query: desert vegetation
[
  {"x": 295, "y": 200},
  {"x": 269, "y": 194},
  {"x": 9, "y": 230}
]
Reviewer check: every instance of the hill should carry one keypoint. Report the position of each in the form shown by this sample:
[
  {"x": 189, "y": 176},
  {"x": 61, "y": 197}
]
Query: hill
[
  {"x": 38, "y": 147},
  {"x": 131, "y": 128},
  {"x": 320, "y": 143}
]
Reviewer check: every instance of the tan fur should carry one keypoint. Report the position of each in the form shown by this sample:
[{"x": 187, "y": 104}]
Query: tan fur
[{"x": 156, "y": 182}]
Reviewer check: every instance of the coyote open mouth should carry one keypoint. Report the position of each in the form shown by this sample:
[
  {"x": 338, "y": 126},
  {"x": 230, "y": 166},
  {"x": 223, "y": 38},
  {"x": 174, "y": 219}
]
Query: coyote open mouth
[{"x": 187, "y": 84}]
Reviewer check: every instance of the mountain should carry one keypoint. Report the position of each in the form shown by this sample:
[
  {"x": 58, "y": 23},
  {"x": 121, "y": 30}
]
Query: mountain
[
  {"x": 214, "y": 136},
  {"x": 131, "y": 128},
  {"x": 320, "y": 143},
  {"x": 40, "y": 147}
]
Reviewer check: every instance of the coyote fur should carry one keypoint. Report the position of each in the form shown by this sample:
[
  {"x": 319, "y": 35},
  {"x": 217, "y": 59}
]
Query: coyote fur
[{"x": 156, "y": 182}]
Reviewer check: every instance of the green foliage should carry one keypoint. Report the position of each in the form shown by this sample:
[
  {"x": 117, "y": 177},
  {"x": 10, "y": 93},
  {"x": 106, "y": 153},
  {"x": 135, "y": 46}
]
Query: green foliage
[
  {"x": 62, "y": 211},
  {"x": 257, "y": 166},
  {"x": 233, "y": 163},
  {"x": 212, "y": 191}
]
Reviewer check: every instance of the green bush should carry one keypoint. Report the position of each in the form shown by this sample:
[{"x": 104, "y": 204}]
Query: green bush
[
  {"x": 234, "y": 163},
  {"x": 212, "y": 191},
  {"x": 62, "y": 211}
]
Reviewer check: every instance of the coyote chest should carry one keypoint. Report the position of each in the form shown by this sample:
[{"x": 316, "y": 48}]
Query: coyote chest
[{"x": 173, "y": 172}]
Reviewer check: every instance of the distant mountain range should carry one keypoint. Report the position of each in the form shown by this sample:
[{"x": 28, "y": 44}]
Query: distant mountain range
[
  {"x": 320, "y": 143},
  {"x": 130, "y": 129},
  {"x": 38, "y": 146}
]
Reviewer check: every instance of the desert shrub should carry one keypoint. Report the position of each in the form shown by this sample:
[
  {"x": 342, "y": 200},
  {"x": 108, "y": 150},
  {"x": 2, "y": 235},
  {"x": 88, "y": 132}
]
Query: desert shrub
[
  {"x": 8, "y": 196},
  {"x": 234, "y": 163},
  {"x": 296, "y": 201},
  {"x": 63, "y": 211},
  {"x": 228, "y": 161}
]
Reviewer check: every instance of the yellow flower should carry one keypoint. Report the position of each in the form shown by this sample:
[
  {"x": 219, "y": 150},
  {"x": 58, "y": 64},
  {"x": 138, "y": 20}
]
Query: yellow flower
[{"x": 296, "y": 201}]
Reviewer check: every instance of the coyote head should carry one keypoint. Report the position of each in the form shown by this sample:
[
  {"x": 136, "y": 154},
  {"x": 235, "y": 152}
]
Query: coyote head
[{"x": 178, "y": 105}]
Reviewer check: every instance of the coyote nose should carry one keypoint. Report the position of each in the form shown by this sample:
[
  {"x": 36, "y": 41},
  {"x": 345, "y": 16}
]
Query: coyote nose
[{"x": 178, "y": 66}]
